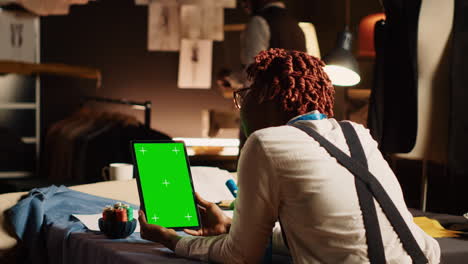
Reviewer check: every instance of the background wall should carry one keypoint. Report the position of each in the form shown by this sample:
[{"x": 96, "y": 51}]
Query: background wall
[{"x": 111, "y": 35}]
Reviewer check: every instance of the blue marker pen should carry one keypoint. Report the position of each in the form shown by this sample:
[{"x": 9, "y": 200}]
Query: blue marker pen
[{"x": 232, "y": 186}]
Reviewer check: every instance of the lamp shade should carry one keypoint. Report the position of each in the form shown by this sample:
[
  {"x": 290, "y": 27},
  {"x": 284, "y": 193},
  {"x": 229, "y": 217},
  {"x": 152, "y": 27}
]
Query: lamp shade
[
  {"x": 341, "y": 66},
  {"x": 366, "y": 35}
]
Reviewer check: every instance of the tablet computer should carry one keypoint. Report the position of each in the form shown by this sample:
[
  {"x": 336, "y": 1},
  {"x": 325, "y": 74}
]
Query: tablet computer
[{"x": 165, "y": 184}]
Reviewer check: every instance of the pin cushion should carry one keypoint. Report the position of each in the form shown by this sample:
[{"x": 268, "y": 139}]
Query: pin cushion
[
  {"x": 117, "y": 221},
  {"x": 114, "y": 229}
]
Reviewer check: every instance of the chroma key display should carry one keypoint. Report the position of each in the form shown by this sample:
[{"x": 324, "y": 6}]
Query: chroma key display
[{"x": 165, "y": 184}]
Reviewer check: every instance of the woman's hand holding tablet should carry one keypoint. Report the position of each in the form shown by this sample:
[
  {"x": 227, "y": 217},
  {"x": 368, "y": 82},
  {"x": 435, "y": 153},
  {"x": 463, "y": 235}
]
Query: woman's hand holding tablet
[
  {"x": 214, "y": 221},
  {"x": 156, "y": 233}
]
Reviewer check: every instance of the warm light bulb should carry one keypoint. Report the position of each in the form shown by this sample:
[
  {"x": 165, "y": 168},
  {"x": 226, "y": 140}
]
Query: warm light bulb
[{"x": 342, "y": 76}]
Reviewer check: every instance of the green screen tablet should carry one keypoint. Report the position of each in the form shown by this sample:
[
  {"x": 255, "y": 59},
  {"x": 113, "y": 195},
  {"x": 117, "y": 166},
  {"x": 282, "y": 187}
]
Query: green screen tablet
[{"x": 165, "y": 184}]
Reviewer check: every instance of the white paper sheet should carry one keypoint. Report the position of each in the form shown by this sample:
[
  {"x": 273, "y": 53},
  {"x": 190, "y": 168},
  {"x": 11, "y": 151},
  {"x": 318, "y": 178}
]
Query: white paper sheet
[
  {"x": 210, "y": 183},
  {"x": 229, "y": 213},
  {"x": 92, "y": 221}
]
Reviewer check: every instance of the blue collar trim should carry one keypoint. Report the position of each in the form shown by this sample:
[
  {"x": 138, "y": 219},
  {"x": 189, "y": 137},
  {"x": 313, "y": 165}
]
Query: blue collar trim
[{"x": 314, "y": 116}]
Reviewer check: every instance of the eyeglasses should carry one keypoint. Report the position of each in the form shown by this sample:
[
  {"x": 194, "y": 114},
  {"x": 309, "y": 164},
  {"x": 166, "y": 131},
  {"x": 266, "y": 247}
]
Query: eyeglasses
[{"x": 239, "y": 96}]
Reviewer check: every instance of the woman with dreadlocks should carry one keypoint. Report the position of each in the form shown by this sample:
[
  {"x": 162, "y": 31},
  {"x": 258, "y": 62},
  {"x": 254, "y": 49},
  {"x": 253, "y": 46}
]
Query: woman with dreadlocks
[{"x": 325, "y": 181}]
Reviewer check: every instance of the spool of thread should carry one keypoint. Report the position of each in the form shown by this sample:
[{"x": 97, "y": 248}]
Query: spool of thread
[
  {"x": 121, "y": 215},
  {"x": 129, "y": 212},
  {"x": 108, "y": 214},
  {"x": 232, "y": 186}
]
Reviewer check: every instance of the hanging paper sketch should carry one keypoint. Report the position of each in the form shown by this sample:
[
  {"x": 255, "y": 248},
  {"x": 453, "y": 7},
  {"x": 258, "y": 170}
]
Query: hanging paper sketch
[
  {"x": 190, "y": 18},
  {"x": 163, "y": 27},
  {"x": 228, "y": 3},
  {"x": 217, "y": 3},
  {"x": 18, "y": 36},
  {"x": 195, "y": 62},
  {"x": 189, "y": 26},
  {"x": 141, "y": 2},
  {"x": 202, "y": 22},
  {"x": 212, "y": 23}
]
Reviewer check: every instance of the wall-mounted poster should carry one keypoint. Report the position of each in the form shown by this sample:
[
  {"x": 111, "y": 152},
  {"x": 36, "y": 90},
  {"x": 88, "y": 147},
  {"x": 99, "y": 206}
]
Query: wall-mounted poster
[
  {"x": 163, "y": 27},
  {"x": 195, "y": 62},
  {"x": 202, "y": 22}
]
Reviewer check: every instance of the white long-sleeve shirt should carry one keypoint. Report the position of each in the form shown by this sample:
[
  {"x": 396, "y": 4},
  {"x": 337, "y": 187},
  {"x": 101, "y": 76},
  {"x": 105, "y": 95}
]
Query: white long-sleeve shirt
[{"x": 285, "y": 173}]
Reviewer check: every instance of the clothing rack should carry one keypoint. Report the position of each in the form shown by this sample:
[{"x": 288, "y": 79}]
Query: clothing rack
[{"x": 137, "y": 105}]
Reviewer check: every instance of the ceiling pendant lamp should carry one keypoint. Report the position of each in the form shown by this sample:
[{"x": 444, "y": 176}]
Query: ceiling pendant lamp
[{"x": 341, "y": 65}]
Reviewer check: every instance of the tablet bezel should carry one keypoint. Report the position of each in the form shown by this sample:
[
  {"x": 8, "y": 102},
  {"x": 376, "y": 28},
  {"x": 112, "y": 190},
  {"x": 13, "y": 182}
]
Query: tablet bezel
[{"x": 140, "y": 191}]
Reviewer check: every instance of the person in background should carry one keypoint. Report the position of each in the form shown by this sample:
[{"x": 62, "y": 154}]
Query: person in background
[
  {"x": 286, "y": 174},
  {"x": 270, "y": 26}
]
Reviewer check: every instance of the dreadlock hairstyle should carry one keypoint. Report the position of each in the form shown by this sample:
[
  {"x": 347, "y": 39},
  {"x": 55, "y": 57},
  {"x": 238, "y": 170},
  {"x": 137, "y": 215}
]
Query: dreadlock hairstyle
[{"x": 295, "y": 78}]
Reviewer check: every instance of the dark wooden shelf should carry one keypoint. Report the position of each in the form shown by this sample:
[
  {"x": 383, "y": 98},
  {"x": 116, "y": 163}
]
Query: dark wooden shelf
[{"x": 51, "y": 69}]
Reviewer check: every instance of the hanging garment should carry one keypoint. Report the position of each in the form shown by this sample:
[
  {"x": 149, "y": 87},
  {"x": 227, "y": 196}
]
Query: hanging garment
[
  {"x": 376, "y": 100},
  {"x": 77, "y": 148},
  {"x": 458, "y": 119},
  {"x": 112, "y": 145},
  {"x": 393, "y": 107},
  {"x": 394, "y": 119}
]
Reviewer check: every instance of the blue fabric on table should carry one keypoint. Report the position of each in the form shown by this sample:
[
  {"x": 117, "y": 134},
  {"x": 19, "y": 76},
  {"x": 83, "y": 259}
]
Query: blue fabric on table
[{"x": 43, "y": 221}]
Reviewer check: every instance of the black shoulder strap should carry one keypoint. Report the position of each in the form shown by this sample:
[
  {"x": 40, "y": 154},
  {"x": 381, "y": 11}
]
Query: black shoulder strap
[
  {"x": 375, "y": 248},
  {"x": 372, "y": 184}
]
